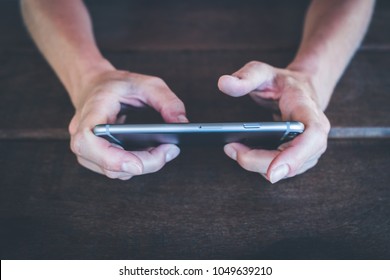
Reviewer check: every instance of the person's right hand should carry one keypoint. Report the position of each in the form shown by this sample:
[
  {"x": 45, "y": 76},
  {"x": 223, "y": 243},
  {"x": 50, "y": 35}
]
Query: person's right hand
[
  {"x": 100, "y": 102},
  {"x": 292, "y": 96}
]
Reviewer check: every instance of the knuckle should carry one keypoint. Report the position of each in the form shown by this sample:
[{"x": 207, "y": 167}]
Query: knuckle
[
  {"x": 173, "y": 103},
  {"x": 322, "y": 143},
  {"x": 294, "y": 168},
  {"x": 254, "y": 63},
  {"x": 110, "y": 174},
  {"x": 322, "y": 127},
  {"x": 324, "y": 146},
  {"x": 72, "y": 128},
  {"x": 244, "y": 161},
  {"x": 326, "y": 125},
  {"x": 156, "y": 164},
  {"x": 76, "y": 143},
  {"x": 290, "y": 82},
  {"x": 157, "y": 81},
  {"x": 80, "y": 161},
  {"x": 111, "y": 165},
  {"x": 177, "y": 102}
]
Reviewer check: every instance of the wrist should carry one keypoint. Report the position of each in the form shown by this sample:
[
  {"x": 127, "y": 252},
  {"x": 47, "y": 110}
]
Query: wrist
[
  {"x": 84, "y": 76},
  {"x": 315, "y": 74}
]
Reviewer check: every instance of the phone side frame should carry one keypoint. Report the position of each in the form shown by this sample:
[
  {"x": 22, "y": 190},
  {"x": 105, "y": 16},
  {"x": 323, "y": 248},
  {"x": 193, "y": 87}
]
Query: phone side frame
[{"x": 107, "y": 130}]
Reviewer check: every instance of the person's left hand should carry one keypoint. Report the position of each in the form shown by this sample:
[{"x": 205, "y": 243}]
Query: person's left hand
[{"x": 292, "y": 96}]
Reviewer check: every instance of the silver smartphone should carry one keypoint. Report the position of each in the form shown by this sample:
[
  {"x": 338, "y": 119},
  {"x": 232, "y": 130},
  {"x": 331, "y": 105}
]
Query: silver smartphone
[{"x": 255, "y": 134}]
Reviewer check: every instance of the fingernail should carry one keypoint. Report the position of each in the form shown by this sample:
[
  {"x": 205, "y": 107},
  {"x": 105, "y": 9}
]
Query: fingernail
[
  {"x": 278, "y": 173},
  {"x": 172, "y": 153},
  {"x": 182, "y": 118},
  {"x": 131, "y": 168},
  {"x": 231, "y": 152}
]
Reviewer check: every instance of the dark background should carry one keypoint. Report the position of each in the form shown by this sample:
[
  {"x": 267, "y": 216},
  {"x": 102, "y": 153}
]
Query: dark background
[{"x": 202, "y": 205}]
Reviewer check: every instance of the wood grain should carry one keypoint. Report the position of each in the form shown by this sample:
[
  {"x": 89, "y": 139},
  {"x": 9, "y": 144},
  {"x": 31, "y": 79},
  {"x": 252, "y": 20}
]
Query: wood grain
[
  {"x": 123, "y": 25},
  {"x": 201, "y": 206},
  {"x": 32, "y": 97}
]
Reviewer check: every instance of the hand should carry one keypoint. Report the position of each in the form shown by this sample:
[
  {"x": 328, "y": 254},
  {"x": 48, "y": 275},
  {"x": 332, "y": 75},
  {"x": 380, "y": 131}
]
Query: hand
[
  {"x": 100, "y": 102},
  {"x": 292, "y": 96}
]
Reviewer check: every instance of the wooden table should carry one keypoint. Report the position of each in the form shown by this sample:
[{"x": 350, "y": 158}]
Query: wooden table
[{"x": 202, "y": 205}]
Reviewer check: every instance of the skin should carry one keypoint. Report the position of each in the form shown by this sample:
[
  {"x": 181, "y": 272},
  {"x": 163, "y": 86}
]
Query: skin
[{"x": 333, "y": 31}]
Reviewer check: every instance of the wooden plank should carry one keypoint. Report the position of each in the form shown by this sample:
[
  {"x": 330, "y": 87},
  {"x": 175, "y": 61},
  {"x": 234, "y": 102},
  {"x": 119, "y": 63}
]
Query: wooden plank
[
  {"x": 34, "y": 134},
  {"x": 359, "y": 132},
  {"x": 201, "y": 206},
  {"x": 32, "y": 97},
  {"x": 63, "y": 134},
  {"x": 361, "y": 97},
  {"x": 13, "y": 33},
  {"x": 376, "y": 39},
  {"x": 193, "y": 25}
]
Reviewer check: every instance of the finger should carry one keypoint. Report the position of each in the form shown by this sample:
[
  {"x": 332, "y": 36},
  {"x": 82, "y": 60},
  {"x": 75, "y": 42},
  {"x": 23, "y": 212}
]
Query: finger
[
  {"x": 147, "y": 161},
  {"x": 155, "y": 158},
  {"x": 152, "y": 160},
  {"x": 161, "y": 98},
  {"x": 121, "y": 119},
  {"x": 308, "y": 146},
  {"x": 255, "y": 160},
  {"x": 253, "y": 76},
  {"x": 269, "y": 103},
  {"x": 258, "y": 160},
  {"x": 109, "y": 158},
  {"x": 306, "y": 166},
  {"x": 297, "y": 156},
  {"x": 99, "y": 111},
  {"x": 105, "y": 155},
  {"x": 111, "y": 174}
]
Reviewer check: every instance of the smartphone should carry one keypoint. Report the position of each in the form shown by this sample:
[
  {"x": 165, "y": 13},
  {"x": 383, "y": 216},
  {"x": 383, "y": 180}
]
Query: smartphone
[{"x": 254, "y": 134}]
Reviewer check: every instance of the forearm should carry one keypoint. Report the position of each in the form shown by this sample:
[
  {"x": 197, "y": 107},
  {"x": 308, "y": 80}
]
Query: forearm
[
  {"x": 62, "y": 31},
  {"x": 332, "y": 33}
]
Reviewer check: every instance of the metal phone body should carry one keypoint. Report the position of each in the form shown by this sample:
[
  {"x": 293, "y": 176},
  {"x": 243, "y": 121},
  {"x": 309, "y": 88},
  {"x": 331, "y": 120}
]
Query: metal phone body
[{"x": 254, "y": 134}]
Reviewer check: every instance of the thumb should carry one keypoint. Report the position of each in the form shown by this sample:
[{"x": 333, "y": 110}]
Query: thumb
[{"x": 254, "y": 75}]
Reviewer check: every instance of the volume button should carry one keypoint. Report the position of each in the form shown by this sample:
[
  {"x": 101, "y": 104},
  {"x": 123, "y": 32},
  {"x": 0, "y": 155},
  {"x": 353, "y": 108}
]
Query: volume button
[{"x": 251, "y": 125}]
